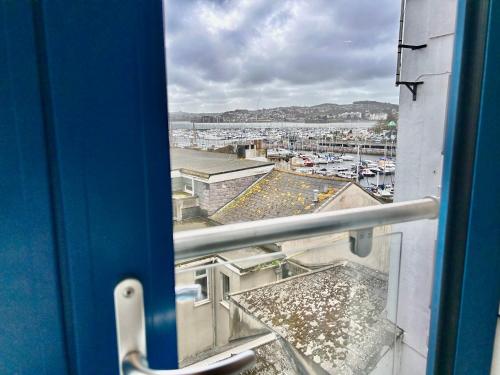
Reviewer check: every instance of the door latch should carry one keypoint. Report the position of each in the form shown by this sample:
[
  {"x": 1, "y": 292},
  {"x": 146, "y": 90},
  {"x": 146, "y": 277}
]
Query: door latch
[{"x": 131, "y": 338}]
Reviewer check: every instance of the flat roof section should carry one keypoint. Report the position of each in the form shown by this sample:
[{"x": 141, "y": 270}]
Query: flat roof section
[
  {"x": 334, "y": 317},
  {"x": 207, "y": 163},
  {"x": 192, "y": 223}
]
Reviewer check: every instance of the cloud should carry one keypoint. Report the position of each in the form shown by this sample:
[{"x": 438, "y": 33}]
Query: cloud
[{"x": 229, "y": 54}]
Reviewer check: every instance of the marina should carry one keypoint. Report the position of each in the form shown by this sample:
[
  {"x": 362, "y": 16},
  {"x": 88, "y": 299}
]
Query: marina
[
  {"x": 375, "y": 175},
  {"x": 342, "y": 137},
  {"x": 348, "y": 151}
]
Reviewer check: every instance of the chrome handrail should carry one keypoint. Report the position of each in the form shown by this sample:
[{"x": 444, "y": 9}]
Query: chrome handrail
[{"x": 209, "y": 241}]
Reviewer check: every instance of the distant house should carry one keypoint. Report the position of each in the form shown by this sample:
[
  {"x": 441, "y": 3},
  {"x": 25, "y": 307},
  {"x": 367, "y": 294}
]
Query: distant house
[
  {"x": 204, "y": 181},
  {"x": 204, "y": 325}
]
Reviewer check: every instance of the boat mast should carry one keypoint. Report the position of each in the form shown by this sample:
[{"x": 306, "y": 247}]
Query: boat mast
[{"x": 357, "y": 166}]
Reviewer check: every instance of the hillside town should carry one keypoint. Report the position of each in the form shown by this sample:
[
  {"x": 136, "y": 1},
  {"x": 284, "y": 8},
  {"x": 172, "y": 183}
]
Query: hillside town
[{"x": 322, "y": 113}]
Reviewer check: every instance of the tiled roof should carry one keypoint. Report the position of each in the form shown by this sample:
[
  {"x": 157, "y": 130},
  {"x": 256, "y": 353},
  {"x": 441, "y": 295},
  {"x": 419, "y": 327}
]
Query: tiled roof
[
  {"x": 335, "y": 319},
  {"x": 279, "y": 193},
  {"x": 208, "y": 163}
]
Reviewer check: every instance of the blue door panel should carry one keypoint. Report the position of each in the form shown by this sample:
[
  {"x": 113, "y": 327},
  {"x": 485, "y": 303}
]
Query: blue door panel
[
  {"x": 481, "y": 284},
  {"x": 107, "y": 90},
  {"x": 31, "y": 328},
  {"x": 467, "y": 284},
  {"x": 101, "y": 93}
]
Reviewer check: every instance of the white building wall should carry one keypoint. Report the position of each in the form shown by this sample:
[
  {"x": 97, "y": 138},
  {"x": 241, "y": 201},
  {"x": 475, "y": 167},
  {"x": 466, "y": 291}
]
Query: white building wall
[
  {"x": 204, "y": 326},
  {"x": 324, "y": 250},
  {"x": 195, "y": 330},
  {"x": 420, "y": 143}
]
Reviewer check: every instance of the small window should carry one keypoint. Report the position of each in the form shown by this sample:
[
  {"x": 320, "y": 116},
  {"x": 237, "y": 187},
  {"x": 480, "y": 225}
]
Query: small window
[
  {"x": 225, "y": 287},
  {"x": 189, "y": 186},
  {"x": 201, "y": 278}
]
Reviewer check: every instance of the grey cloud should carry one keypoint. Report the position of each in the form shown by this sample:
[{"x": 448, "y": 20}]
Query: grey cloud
[{"x": 261, "y": 53}]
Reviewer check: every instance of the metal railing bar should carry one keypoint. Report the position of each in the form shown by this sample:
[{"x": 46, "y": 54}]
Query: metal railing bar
[
  {"x": 209, "y": 241},
  {"x": 269, "y": 257}
]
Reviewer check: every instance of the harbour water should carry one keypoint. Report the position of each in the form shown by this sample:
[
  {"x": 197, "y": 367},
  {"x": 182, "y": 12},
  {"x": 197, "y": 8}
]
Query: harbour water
[{"x": 279, "y": 125}]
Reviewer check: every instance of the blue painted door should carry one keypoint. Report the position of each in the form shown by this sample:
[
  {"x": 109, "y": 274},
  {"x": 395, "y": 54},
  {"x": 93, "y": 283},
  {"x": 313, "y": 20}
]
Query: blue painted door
[
  {"x": 85, "y": 189},
  {"x": 467, "y": 282}
]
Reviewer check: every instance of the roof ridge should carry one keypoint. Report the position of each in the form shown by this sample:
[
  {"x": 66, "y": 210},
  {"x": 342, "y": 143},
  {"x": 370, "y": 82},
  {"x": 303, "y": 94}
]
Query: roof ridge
[{"x": 332, "y": 178}]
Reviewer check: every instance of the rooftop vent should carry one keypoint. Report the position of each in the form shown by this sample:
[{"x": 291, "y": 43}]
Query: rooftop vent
[{"x": 315, "y": 195}]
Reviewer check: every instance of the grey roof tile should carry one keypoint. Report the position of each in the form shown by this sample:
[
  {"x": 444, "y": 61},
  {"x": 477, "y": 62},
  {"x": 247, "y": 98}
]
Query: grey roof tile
[{"x": 279, "y": 193}]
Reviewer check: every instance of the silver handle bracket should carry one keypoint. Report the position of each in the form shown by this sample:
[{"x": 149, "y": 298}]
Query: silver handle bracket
[
  {"x": 130, "y": 320},
  {"x": 131, "y": 339}
]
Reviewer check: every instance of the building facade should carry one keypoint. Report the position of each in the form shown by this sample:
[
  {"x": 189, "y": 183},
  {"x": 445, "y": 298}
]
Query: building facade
[
  {"x": 212, "y": 178},
  {"x": 421, "y": 130}
]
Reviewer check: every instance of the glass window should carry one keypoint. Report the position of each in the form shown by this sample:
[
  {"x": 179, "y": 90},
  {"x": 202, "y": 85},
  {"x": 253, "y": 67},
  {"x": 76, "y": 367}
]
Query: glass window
[
  {"x": 226, "y": 288},
  {"x": 189, "y": 186},
  {"x": 201, "y": 278},
  {"x": 279, "y": 109}
]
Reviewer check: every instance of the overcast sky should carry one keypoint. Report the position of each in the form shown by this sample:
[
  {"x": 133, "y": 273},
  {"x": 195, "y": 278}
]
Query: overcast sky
[{"x": 229, "y": 54}]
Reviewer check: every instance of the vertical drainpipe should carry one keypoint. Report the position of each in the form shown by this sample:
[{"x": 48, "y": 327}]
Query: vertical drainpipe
[
  {"x": 214, "y": 304},
  {"x": 400, "y": 41}
]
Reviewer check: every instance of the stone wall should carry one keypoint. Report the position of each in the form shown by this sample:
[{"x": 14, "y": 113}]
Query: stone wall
[{"x": 212, "y": 196}]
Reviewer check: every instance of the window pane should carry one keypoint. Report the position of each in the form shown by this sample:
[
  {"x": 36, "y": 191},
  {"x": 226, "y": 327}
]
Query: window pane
[
  {"x": 284, "y": 108},
  {"x": 201, "y": 272},
  {"x": 225, "y": 287},
  {"x": 203, "y": 281}
]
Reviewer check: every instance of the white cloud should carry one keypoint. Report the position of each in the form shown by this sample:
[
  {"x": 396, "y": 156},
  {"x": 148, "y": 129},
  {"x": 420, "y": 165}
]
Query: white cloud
[{"x": 223, "y": 55}]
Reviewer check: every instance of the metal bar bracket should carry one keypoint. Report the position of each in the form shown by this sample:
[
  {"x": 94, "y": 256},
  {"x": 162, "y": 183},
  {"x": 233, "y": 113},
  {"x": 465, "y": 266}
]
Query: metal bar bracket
[
  {"x": 361, "y": 241},
  {"x": 412, "y": 47},
  {"x": 412, "y": 86}
]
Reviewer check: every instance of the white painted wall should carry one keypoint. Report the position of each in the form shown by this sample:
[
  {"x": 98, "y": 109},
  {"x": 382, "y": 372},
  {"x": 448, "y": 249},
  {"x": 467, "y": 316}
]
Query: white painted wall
[
  {"x": 195, "y": 331},
  {"x": 420, "y": 141},
  {"x": 204, "y": 326},
  {"x": 324, "y": 250}
]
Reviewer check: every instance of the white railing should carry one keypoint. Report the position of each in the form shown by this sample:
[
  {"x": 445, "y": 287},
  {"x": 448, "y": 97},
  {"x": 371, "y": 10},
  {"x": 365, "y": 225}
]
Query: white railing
[{"x": 208, "y": 241}]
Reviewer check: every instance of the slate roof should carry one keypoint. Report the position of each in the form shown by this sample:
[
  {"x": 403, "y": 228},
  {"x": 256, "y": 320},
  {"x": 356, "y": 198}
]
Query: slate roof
[
  {"x": 279, "y": 193},
  {"x": 206, "y": 163},
  {"x": 335, "y": 319}
]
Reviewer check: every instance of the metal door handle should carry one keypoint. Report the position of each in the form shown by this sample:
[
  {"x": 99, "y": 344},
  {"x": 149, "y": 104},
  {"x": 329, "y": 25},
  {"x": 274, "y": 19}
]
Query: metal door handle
[
  {"x": 131, "y": 338},
  {"x": 134, "y": 363}
]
